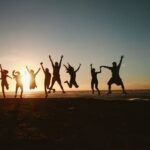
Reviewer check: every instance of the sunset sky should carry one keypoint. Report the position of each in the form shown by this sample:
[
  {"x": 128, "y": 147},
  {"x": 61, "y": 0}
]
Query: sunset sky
[{"x": 84, "y": 31}]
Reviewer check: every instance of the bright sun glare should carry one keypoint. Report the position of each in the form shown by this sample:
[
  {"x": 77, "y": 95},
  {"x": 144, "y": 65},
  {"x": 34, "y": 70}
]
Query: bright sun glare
[{"x": 25, "y": 80}]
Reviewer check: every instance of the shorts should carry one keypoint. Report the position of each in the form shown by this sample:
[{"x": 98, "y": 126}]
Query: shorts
[{"x": 117, "y": 81}]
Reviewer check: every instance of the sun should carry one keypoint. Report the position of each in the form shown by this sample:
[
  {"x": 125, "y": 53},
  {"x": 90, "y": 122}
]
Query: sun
[{"x": 25, "y": 80}]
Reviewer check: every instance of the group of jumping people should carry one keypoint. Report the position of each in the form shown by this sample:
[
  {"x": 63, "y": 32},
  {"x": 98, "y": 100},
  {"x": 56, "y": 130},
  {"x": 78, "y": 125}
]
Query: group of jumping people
[{"x": 56, "y": 77}]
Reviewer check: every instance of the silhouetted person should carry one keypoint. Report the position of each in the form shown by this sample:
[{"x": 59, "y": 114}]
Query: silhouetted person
[
  {"x": 115, "y": 76},
  {"x": 72, "y": 74},
  {"x": 17, "y": 76},
  {"x": 4, "y": 83},
  {"x": 94, "y": 81},
  {"x": 46, "y": 80},
  {"x": 32, "y": 78},
  {"x": 56, "y": 75}
]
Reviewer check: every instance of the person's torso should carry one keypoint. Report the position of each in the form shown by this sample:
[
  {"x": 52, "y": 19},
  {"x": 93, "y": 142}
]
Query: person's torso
[
  {"x": 94, "y": 76},
  {"x": 115, "y": 72},
  {"x": 56, "y": 71}
]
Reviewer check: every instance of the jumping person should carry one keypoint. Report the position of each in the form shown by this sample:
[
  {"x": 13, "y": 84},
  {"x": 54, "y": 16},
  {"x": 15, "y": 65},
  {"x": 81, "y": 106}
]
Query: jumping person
[
  {"x": 56, "y": 75},
  {"x": 115, "y": 76},
  {"x": 94, "y": 81},
  {"x": 17, "y": 76},
  {"x": 4, "y": 83},
  {"x": 32, "y": 77},
  {"x": 72, "y": 74},
  {"x": 47, "y": 79}
]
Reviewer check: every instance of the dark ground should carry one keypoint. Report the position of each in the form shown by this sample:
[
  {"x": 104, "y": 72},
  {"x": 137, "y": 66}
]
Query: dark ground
[{"x": 75, "y": 124}]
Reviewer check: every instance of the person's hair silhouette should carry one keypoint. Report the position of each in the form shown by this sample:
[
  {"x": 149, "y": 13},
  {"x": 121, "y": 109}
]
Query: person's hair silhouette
[
  {"x": 115, "y": 76},
  {"x": 47, "y": 79},
  {"x": 4, "y": 83},
  {"x": 72, "y": 74},
  {"x": 94, "y": 81},
  {"x": 56, "y": 75},
  {"x": 32, "y": 77},
  {"x": 17, "y": 76}
]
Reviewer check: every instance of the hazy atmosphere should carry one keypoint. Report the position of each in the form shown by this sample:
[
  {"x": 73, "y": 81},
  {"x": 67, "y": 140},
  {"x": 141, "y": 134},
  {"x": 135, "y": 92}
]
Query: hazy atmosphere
[{"x": 84, "y": 31}]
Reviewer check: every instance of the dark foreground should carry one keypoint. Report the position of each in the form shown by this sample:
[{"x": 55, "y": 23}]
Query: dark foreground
[{"x": 75, "y": 124}]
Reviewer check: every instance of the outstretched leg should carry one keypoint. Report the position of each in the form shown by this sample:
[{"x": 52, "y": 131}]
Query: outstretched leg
[{"x": 59, "y": 82}]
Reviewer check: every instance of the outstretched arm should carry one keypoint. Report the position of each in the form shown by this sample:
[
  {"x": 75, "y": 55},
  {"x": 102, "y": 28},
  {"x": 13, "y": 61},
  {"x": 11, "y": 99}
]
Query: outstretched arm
[
  {"x": 42, "y": 67},
  {"x": 27, "y": 69},
  {"x": 78, "y": 68},
  {"x": 107, "y": 67},
  {"x": 9, "y": 76},
  {"x": 60, "y": 60},
  {"x": 51, "y": 60},
  {"x": 38, "y": 71},
  {"x": 120, "y": 61}
]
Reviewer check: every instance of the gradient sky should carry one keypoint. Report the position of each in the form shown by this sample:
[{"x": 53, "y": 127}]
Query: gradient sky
[{"x": 84, "y": 31}]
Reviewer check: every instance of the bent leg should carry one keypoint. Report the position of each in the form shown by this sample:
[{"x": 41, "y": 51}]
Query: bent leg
[
  {"x": 75, "y": 84},
  {"x": 69, "y": 84}
]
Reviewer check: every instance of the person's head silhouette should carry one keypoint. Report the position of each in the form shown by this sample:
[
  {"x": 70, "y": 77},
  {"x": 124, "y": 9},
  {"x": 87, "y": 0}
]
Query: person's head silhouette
[
  {"x": 5, "y": 71},
  {"x": 114, "y": 64},
  {"x": 46, "y": 70},
  {"x": 56, "y": 64},
  {"x": 18, "y": 73},
  {"x": 32, "y": 71},
  {"x": 93, "y": 70}
]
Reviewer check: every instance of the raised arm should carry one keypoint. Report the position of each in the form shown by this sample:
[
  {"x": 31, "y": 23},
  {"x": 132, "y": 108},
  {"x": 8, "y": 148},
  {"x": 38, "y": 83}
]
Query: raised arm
[
  {"x": 42, "y": 67},
  {"x": 1, "y": 67},
  {"x": 27, "y": 69},
  {"x": 99, "y": 70},
  {"x": 65, "y": 66},
  {"x": 60, "y": 60},
  {"x": 13, "y": 73},
  {"x": 51, "y": 61},
  {"x": 120, "y": 61},
  {"x": 78, "y": 68},
  {"x": 37, "y": 71},
  {"x": 91, "y": 68}
]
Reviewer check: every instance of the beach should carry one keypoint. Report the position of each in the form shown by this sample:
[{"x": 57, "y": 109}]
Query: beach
[{"x": 77, "y": 120}]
